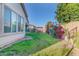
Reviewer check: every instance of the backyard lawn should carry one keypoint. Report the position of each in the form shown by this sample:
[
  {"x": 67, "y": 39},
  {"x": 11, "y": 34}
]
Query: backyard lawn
[{"x": 28, "y": 47}]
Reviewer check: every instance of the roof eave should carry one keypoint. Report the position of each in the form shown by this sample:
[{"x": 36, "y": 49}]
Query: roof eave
[{"x": 23, "y": 7}]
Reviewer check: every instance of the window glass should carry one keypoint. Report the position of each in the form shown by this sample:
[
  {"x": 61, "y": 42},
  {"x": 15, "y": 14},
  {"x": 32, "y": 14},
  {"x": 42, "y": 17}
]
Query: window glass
[
  {"x": 13, "y": 20},
  {"x": 7, "y": 20},
  {"x": 19, "y": 23},
  {"x": 22, "y": 24}
]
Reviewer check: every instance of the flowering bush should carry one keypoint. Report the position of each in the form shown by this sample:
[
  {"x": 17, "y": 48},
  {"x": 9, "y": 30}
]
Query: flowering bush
[
  {"x": 55, "y": 30},
  {"x": 59, "y": 32}
]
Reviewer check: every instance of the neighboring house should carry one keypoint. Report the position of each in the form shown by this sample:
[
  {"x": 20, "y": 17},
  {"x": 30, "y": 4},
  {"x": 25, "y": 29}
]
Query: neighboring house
[
  {"x": 13, "y": 19},
  {"x": 44, "y": 29},
  {"x": 39, "y": 29},
  {"x": 32, "y": 28}
]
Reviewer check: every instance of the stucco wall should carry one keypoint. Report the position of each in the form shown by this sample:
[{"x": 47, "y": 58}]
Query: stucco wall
[
  {"x": 0, "y": 18},
  {"x": 17, "y": 8},
  {"x": 13, "y": 6}
]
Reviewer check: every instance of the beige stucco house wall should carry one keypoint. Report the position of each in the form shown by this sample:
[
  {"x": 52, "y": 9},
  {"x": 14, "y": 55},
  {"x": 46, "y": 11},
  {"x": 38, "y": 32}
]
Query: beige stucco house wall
[{"x": 19, "y": 10}]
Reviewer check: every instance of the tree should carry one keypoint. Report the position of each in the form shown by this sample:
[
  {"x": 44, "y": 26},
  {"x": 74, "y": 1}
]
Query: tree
[
  {"x": 67, "y": 12},
  {"x": 48, "y": 26}
]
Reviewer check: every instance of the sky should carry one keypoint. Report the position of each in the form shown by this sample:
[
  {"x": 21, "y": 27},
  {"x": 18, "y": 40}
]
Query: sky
[{"x": 40, "y": 13}]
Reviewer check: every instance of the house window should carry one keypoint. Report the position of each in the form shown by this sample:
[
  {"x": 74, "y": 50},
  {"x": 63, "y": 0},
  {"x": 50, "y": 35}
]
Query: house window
[
  {"x": 13, "y": 21},
  {"x": 19, "y": 23},
  {"x": 22, "y": 24},
  {"x": 7, "y": 20}
]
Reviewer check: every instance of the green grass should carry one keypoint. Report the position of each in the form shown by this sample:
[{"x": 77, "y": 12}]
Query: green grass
[
  {"x": 29, "y": 47},
  {"x": 57, "y": 49}
]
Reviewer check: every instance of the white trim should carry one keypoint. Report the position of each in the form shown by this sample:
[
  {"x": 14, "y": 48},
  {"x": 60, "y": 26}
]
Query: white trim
[
  {"x": 24, "y": 25},
  {"x": 3, "y": 18},
  {"x": 17, "y": 23}
]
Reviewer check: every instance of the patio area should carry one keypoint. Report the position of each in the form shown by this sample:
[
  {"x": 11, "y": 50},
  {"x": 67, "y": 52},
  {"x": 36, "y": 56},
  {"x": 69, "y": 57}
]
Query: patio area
[{"x": 6, "y": 40}]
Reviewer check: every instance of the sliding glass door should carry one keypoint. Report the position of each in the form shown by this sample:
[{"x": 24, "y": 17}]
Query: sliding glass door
[
  {"x": 13, "y": 21},
  {"x": 22, "y": 24},
  {"x": 7, "y": 20},
  {"x": 19, "y": 23}
]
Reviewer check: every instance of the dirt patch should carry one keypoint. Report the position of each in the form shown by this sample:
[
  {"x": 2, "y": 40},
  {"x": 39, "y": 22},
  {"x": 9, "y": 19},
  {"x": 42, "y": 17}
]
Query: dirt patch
[{"x": 71, "y": 25}]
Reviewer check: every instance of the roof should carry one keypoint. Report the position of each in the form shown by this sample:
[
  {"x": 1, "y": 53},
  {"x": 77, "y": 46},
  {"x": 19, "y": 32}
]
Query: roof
[
  {"x": 32, "y": 25},
  {"x": 24, "y": 9},
  {"x": 39, "y": 27}
]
